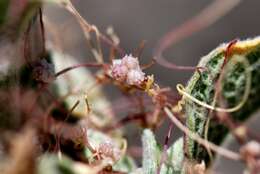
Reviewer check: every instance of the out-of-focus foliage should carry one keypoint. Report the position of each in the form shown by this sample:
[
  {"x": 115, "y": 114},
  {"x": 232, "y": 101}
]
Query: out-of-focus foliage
[{"x": 3, "y": 10}]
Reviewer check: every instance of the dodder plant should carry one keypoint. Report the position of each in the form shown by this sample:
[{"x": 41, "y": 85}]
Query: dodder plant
[{"x": 55, "y": 119}]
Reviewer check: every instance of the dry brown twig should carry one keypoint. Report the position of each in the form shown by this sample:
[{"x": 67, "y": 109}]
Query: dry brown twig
[{"x": 87, "y": 28}]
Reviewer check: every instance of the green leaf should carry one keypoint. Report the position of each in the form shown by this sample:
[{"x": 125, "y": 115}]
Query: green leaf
[
  {"x": 202, "y": 87},
  {"x": 150, "y": 160},
  {"x": 126, "y": 164},
  {"x": 176, "y": 154},
  {"x": 51, "y": 164},
  {"x": 174, "y": 162},
  {"x": 4, "y": 5}
]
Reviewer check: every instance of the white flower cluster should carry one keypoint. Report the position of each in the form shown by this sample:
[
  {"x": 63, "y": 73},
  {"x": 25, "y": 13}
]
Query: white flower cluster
[
  {"x": 128, "y": 69},
  {"x": 108, "y": 149}
]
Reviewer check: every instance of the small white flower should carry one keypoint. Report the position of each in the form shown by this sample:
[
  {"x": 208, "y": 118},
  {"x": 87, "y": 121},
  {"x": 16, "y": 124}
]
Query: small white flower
[
  {"x": 119, "y": 72},
  {"x": 135, "y": 77},
  {"x": 127, "y": 69},
  {"x": 131, "y": 62},
  {"x": 108, "y": 149}
]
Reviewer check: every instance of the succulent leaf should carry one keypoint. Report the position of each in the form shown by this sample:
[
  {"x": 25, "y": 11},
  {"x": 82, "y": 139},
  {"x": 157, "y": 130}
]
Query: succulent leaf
[
  {"x": 201, "y": 86},
  {"x": 150, "y": 160}
]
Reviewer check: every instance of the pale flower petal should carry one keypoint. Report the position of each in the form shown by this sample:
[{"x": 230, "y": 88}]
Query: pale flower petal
[
  {"x": 135, "y": 77},
  {"x": 131, "y": 62},
  {"x": 128, "y": 69}
]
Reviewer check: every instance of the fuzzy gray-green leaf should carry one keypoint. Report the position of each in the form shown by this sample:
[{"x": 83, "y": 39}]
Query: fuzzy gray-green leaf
[
  {"x": 150, "y": 161},
  {"x": 175, "y": 158}
]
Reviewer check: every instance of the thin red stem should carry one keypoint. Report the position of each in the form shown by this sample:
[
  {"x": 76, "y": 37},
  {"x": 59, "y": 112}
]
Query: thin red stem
[
  {"x": 165, "y": 147},
  {"x": 205, "y": 18},
  {"x": 42, "y": 30},
  {"x": 78, "y": 66}
]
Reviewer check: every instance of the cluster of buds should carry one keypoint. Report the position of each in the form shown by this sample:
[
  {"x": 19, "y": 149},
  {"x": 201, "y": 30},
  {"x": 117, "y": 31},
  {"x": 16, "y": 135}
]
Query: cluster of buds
[
  {"x": 108, "y": 149},
  {"x": 128, "y": 70}
]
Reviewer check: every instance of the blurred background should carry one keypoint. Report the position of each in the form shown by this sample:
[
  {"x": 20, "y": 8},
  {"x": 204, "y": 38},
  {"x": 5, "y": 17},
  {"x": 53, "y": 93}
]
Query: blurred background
[
  {"x": 137, "y": 20},
  {"x": 149, "y": 20}
]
